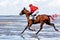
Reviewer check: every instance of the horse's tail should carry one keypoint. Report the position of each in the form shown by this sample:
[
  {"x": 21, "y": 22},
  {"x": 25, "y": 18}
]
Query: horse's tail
[{"x": 53, "y": 17}]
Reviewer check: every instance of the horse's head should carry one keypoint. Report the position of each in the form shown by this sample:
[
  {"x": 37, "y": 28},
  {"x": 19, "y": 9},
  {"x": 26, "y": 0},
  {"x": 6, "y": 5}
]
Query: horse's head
[{"x": 22, "y": 12}]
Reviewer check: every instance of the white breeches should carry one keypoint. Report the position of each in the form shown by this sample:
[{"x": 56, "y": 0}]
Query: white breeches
[{"x": 36, "y": 12}]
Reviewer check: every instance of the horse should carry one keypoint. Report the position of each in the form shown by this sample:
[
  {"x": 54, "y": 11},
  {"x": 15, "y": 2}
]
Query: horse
[{"x": 42, "y": 19}]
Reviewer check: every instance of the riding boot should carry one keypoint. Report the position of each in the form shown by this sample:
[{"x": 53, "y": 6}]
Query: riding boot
[{"x": 33, "y": 19}]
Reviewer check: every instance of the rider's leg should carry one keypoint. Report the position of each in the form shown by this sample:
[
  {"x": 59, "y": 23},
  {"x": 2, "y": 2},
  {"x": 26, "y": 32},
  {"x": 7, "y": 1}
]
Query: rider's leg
[{"x": 34, "y": 14}]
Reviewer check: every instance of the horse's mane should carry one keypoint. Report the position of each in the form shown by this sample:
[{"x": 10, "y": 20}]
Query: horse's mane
[{"x": 28, "y": 11}]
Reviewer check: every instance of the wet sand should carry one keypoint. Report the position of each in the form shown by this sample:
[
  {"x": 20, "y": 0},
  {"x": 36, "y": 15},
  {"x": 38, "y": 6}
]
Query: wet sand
[{"x": 12, "y": 26}]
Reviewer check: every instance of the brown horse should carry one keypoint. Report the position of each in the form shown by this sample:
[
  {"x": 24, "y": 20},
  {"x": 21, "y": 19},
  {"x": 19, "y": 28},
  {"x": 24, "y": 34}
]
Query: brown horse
[{"x": 39, "y": 19}]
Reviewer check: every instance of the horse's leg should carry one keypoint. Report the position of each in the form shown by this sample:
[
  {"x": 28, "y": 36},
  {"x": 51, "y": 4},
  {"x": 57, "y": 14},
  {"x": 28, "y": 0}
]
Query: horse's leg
[
  {"x": 24, "y": 29},
  {"x": 52, "y": 24},
  {"x": 31, "y": 29},
  {"x": 41, "y": 26},
  {"x": 30, "y": 24}
]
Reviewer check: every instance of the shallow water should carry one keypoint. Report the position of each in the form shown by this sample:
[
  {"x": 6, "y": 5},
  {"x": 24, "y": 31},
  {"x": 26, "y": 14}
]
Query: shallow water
[{"x": 11, "y": 27}]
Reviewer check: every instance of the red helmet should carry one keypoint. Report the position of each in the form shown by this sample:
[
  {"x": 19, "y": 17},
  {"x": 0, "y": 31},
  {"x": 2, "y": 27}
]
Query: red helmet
[{"x": 30, "y": 5}]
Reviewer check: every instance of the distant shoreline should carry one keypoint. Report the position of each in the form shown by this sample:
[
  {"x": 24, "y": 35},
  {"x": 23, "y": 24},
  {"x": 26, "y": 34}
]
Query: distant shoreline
[{"x": 6, "y": 22}]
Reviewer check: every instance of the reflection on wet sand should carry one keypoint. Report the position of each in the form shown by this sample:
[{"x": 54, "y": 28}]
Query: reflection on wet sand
[
  {"x": 32, "y": 36},
  {"x": 11, "y": 29},
  {"x": 6, "y": 22}
]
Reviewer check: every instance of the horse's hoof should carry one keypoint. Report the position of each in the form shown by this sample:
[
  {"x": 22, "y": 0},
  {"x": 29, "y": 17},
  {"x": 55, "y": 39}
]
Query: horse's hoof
[
  {"x": 57, "y": 30},
  {"x": 36, "y": 33},
  {"x": 34, "y": 30},
  {"x": 21, "y": 33}
]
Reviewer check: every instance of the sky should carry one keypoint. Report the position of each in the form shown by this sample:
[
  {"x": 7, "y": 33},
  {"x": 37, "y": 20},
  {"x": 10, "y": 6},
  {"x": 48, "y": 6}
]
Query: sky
[{"x": 14, "y": 7}]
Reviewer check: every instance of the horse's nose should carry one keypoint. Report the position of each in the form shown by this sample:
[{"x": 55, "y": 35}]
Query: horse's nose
[{"x": 20, "y": 13}]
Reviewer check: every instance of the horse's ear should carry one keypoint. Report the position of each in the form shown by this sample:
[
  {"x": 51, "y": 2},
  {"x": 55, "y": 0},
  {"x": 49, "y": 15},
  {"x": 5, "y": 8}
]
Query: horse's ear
[{"x": 24, "y": 8}]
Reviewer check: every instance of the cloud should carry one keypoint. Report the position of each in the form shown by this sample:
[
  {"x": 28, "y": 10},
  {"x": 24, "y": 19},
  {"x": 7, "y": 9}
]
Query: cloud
[
  {"x": 7, "y": 3},
  {"x": 38, "y": 3},
  {"x": 4, "y": 3},
  {"x": 12, "y": 6},
  {"x": 15, "y": 2},
  {"x": 34, "y": 1},
  {"x": 54, "y": 3},
  {"x": 43, "y": 0}
]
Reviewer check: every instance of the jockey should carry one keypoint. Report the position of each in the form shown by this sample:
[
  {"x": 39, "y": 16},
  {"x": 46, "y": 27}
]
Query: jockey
[{"x": 33, "y": 11}]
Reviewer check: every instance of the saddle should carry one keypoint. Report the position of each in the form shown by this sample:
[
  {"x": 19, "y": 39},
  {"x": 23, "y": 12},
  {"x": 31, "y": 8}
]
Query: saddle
[{"x": 33, "y": 17}]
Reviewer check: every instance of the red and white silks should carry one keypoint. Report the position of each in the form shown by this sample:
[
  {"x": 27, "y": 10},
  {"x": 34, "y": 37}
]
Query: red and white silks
[{"x": 54, "y": 16}]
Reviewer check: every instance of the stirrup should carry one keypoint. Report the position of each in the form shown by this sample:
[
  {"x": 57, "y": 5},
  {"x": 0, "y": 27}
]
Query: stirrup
[{"x": 34, "y": 15}]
